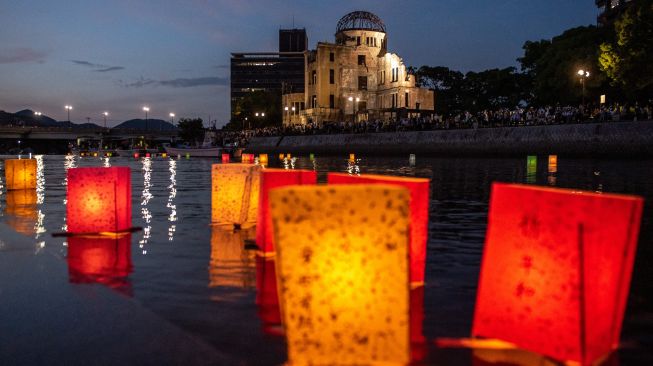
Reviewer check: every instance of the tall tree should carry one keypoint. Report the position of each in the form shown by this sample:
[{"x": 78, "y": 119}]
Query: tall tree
[
  {"x": 191, "y": 130},
  {"x": 266, "y": 103}
]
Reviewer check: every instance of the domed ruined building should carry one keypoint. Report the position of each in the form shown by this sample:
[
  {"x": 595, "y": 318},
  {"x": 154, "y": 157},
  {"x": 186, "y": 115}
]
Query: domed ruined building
[{"x": 356, "y": 79}]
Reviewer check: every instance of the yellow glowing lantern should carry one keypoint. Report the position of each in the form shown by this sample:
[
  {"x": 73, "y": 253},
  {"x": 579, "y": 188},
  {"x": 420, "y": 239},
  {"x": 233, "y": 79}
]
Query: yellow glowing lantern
[
  {"x": 263, "y": 159},
  {"x": 342, "y": 271},
  {"x": 20, "y": 173},
  {"x": 281, "y": 156},
  {"x": 231, "y": 265},
  {"x": 553, "y": 163},
  {"x": 234, "y": 193},
  {"x": 352, "y": 157}
]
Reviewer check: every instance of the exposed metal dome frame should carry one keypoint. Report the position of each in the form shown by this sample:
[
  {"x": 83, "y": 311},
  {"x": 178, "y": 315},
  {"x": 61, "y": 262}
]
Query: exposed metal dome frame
[{"x": 360, "y": 20}]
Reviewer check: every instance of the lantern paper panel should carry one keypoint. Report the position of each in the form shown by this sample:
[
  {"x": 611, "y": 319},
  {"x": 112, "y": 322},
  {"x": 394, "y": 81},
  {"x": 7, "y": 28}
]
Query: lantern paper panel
[
  {"x": 267, "y": 298},
  {"x": 21, "y": 211},
  {"x": 419, "y": 214},
  {"x": 342, "y": 272},
  {"x": 99, "y": 199},
  {"x": 20, "y": 173},
  {"x": 275, "y": 178},
  {"x": 234, "y": 193},
  {"x": 555, "y": 275},
  {"x": 100, "y": 260},
  {"x": 231, "y": 265},
  {"x": 225, "y": 158}
]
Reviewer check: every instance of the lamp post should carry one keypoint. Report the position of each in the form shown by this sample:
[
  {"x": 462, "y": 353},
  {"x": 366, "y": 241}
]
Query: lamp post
[
  {"x": 68, "y": 108},
  {"x": 146, "y": 109},
  {"x": 172, "y": 118},
  {"x": 38, "y": 114},
  {"x": 583, "y": 74},
  {"x": 293, "y": 111},
  {"x": 287, "y": 113},
  {"x": 105, "y": 114}
]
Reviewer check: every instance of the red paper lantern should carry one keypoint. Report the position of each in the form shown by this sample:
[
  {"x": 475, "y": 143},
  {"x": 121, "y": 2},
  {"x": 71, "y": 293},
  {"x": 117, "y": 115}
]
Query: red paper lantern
[
  {"x": 99, "y": 199},
  {"x": 147, "y": 155},
  {"x": 274, "y": 178},
  {"x": 225, "y": 158},
  {"x": 267, "y": 297},
  {"x": 136, "y": 155},
  {"x": 556, "y": 270},
  {"x": 100, "y": 260},
  {"x": 419, "y": 214}
]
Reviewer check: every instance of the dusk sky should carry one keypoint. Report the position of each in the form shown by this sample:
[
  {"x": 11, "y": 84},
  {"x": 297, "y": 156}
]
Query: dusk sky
[{"x": 174, "y": 55}]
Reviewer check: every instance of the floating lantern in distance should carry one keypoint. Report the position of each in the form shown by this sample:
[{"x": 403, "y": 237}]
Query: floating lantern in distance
[
  {"x": 99, "y": 200},
  {"x": 531, "y": 169},
  {"x": 554, "y": 277},
  {"x": 164, "y": 155},
  {"x": 187, "y": 155},
  {"x": 95, "y": 154},
  {"x": 263, "y": 159},
  {"x": 234, "y": 193},
  {"x": 20, "y": 173},
  {"x": 99, "y": 260},
  {"x": 281, "y": 156},
  {"x": 274, "y": 178},
  {"x": 342, "y": 269},
  {"x": 553, "y": 163},
  {"x": 148, "y": 155},
  {"x": 136, "y": 155},
  {"x": 289, "y": 156},
  {"x": 312, "y": 156},
  {"x": 419, "y": 214},
  {"x": 231, "y": 265},
  {"x": 225, "y": 158},
  {"x": 411, "y": 159},
  {"x": 352, "y": 157},
  {"x": 267, "y": 298}
]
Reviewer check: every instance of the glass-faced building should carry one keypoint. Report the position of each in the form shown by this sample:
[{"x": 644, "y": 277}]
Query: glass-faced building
[{"x": 356, "y": 79}]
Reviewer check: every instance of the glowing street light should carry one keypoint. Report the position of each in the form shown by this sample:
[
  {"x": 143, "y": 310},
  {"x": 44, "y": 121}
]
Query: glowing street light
[
  {"x": 146, "y": 109},
  {"x": 68, "y": 108},
  {"x": 105, "y": 114},
  {"x": 37, "y": 113},
  {"x": 172, "y": 118},
  {"x": 583, "y": 74}
]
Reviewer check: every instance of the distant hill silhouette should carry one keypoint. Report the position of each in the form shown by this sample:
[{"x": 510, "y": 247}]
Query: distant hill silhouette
[
  {"x": 26, "y": 117},
  {"x": 152, "y": 124}
]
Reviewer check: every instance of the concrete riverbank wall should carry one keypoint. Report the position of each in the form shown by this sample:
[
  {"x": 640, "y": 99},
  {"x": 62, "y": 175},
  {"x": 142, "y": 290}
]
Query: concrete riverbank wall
[{"x": 618, "y": 139}]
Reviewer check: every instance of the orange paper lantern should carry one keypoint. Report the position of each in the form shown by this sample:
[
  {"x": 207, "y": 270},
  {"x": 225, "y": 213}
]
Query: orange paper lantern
[
  {"x": 267, "y": 298},
  {"x": 342, "y": 273},
  {"x": 234, "y": 193},
  {"x": 263, "y": 159},
  {"x": 231, "y": 265},
  {"x": 100, "y": 260},
  {"x": 225, "y": 158},
  {"x": 20, "y": 173},
  {"x": 274, "y": 178},
  {"x": 99, "y": 200},
  {"x": 419, "y": 214},
  {"x": 556, "y": 270}
]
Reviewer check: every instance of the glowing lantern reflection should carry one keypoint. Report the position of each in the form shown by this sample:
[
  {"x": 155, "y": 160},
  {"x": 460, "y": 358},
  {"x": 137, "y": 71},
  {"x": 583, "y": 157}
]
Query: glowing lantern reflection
[
  {"x": 234, "y": 193},
  {"x": 231, "y": 265},
  {"x": 418, "y": 345},
  {"x": 267, "y": 298},
  {"x": 20, "y": 173},
  {"x": 99, "y": 199},
  {"x": 225, "y": 158},
  {"x": 100, "y": 260},
  {"x": 555, "y": 275},
  {"x": 21, "y": 211},
  {"x": 274, "y": 178},
  {"x": 342, "y": 273},
  {"x": 419, "y": 214}
]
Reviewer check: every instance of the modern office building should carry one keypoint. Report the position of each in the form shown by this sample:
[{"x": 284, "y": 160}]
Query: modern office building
[
  {"x": 281, "y": 71},
  {"x": 356, "y": 79}
]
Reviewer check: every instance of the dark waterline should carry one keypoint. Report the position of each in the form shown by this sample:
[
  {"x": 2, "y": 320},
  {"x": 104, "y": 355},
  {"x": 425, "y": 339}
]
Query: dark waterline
[{"x": 175, "y": 277}]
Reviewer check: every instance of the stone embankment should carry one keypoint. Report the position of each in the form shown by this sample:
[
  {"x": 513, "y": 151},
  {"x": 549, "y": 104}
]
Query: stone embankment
[{"x": 617, "y": 139}]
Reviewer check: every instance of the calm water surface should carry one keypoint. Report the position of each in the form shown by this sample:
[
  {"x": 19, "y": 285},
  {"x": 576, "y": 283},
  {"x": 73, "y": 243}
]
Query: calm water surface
[{"x": 201, "y": 280}]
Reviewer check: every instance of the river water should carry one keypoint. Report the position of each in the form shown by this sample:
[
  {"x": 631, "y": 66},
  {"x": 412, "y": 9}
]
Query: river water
[{"x": 202, "y": 281}]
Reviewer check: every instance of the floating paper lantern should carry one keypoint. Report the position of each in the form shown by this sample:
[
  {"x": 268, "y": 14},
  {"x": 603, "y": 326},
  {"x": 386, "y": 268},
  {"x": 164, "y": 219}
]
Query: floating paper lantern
[
  {"x": 20, "y": 173},
  {"x": 95, "y": 154},
  {"x": 281, "y": 156},
  {"x": 225, "y": 158},
  {"x": 556, "y": 270},
  {"x": 553, "y": 163},
  {"x": 164, "y": 155},
  {"x": 21, "y": 211},
  {"x": 531, "y": 169},
  {"x": 419, "y": 214},
  {"x": 312, "y": 156},
  {"x": 342, "y": 273},
  {"x": 99, "y": 199},
  {"x": 352, "y": 157},
  {"x": 231, "y": 265},
  {"x": 136, "y": 155},
  {"x": 148, "y": 155},
  {"x": 99, "y": 260},
  {"x": 263, "y": 159},
  {"x": 274, "y": 178},
  {"x": 267, "y": 298},
  {"x": 234, "y": 193},
  {"x": 187, "y": 155},
  {"x": 411, "y": 159}
]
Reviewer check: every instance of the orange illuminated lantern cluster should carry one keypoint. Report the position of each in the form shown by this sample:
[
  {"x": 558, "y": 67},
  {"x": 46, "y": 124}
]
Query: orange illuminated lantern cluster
[
  {"x": 275, "y": 178},
  {"x": 556, "y": 270},
  {"x": 263, "y": 159},
  {"x": 419, "y": 214},
  {"x": 235, "y": 193},
  {"x": 99, "y": 200},
  {"x": 247, "y": 158},
  {"x": 100, "y": 260},
  {"x": 20, "y": 173},
  {"x": 342, "y": 273},
  {"x": 225, "y": 158}
]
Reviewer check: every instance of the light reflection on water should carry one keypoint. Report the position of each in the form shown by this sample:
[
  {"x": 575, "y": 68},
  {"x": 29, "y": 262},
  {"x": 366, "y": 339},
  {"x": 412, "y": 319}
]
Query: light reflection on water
[{"x": 194, "y": 284}]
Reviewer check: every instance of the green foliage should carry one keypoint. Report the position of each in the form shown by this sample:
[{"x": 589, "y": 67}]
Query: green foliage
[
  {"x": 191, "y": 130},
  {"x": 628, "y": 59},
  {"x": 256, "y": 102}
]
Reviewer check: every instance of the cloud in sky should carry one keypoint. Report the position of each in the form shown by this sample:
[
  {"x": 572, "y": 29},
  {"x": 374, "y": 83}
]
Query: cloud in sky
[
  {"x": 97, "y": 67},
  {"x": 22, "y": 55},
  {"x": 179, "y": 83}
]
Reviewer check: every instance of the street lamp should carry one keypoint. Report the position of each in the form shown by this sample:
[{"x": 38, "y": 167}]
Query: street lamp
[
  {"x": 583, "y": 74},
  {"x": 68, "y": 108},
  {"x": 172, "y": 118},
  {"x": 105, "y": 114},
  {"x": 287, "y": 113},
  {"x": 146, "y": 109}
]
